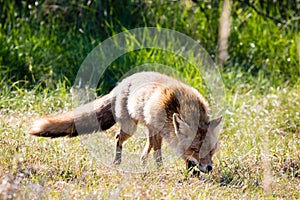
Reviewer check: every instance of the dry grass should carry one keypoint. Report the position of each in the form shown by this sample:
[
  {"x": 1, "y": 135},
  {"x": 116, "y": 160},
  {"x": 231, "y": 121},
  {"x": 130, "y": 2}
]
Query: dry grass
[{"x": 259, "y": 156}]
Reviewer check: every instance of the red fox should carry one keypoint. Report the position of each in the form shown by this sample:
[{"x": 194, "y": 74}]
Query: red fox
[{"x": 170, "y": 109}]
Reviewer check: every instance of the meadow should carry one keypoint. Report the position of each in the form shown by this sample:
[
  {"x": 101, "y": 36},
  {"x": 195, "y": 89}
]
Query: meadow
[{"x": 259, "y": 157}]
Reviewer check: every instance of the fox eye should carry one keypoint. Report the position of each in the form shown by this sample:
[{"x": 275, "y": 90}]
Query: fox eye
[{"x": 196, "y": 150}]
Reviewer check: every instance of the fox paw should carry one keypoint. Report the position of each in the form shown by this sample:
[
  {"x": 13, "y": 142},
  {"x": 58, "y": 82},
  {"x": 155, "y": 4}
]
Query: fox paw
[{"x": 117, "y": 161}]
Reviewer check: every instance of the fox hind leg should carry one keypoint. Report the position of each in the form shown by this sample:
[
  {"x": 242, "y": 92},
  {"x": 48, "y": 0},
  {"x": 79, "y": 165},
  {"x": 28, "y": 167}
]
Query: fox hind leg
[{"x": 125, "y": 133}]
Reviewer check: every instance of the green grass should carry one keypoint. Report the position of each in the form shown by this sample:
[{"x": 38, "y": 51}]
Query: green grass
[
  {"x": 45, "y": 40},
  {"x": 258, "y": 158}
]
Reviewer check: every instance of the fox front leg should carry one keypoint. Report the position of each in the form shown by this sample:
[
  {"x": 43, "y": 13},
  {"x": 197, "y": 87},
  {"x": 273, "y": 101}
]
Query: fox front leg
[
  {"x": 157, "y": 150},
  {"x": 146, "y": 151},
  {"x": 154, "y": 141}
]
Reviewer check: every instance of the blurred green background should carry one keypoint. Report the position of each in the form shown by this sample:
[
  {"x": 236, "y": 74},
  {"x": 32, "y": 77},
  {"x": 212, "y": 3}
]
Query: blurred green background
[{"x": 45, "y": 41}]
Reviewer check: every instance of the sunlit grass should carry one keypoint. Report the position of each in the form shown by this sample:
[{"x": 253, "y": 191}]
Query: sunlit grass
[{"x": 258, "y": 158}]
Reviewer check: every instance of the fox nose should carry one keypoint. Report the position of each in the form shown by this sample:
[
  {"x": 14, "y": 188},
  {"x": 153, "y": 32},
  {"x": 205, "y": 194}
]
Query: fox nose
[{"x": 209, "y": 168}]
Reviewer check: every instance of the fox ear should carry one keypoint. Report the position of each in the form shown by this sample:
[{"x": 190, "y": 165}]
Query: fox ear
[
  {"x": 177, "y": 122},
  {"x": 214, "y": 124}
]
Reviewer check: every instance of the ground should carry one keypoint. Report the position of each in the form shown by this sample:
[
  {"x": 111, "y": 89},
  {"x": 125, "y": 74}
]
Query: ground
[{"x": 259, "y": 155}]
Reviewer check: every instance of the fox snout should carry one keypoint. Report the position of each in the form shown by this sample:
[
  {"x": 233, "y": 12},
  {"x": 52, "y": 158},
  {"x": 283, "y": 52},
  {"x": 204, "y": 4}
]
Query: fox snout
[
  {"x": 195, "y": 168},
  {"x": 205, "y": 168}
]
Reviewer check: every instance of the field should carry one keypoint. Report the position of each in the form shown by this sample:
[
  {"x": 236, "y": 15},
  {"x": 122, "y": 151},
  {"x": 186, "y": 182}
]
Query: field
[
  {"x": 258, "y": 158},
  {"x": 43, "y": 44}
]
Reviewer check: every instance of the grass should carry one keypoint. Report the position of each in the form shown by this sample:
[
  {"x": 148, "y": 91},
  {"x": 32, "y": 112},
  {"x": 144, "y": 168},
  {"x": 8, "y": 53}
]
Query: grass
[
  {"x": 258, "y": 158},
  {"x": 46, "y": 40},
  {"x": 42, "y": 46}
]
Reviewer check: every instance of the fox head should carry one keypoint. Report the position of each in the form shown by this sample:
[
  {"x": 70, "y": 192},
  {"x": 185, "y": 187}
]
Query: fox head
[{"x": 197, "y": 148}]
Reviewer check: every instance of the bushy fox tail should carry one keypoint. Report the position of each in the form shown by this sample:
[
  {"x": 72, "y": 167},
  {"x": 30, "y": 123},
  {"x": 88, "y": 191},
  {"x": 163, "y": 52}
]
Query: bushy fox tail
[{"x": 94, "y": 116}]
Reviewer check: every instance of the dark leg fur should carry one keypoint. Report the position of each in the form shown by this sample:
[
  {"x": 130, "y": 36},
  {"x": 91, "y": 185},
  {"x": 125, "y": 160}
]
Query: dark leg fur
[
  {"x": 121, "y": 138},
  {"x": 157, "y": 149}
]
